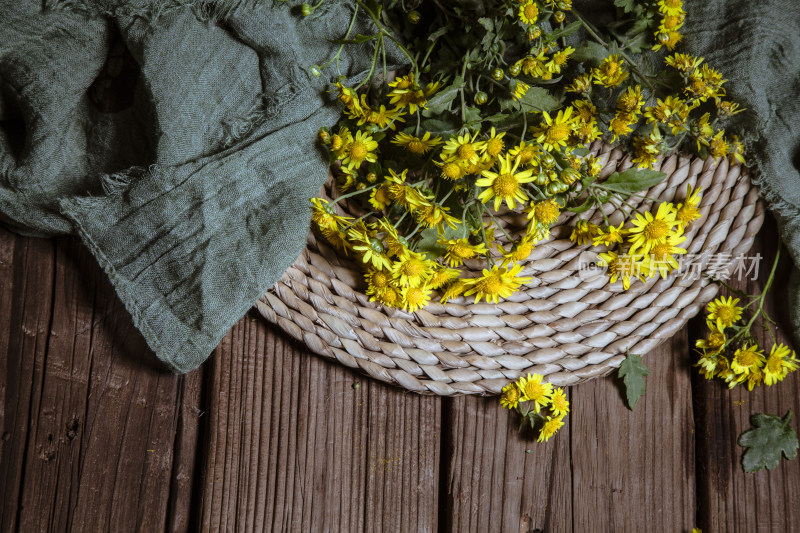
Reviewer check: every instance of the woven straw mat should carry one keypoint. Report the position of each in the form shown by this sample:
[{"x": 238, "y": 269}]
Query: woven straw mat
[{"x": 564, "y": 324}]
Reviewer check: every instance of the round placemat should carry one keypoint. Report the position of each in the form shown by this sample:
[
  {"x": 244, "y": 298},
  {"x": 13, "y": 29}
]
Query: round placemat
[{"x": 569, "y": 323}]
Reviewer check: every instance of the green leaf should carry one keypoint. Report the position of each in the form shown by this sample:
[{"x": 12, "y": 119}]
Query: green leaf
[
  {"x": 633, "y": 371},
  {"x": 582, "y": 207},
  {"x": 626, "y": 5},
  {"x": 427, "y": 243},
  {"x": 487, "y": 23},
  {"x": 638, "y": 43},
  {"x": 539, "y": 99},
  {"x": 592, "y": 52},
  {"x": 441, "y": 100},
  {"x": 564, "y": 32},
  {"x": 438, "y": 33},
  {"x": 472, "y": 116},
  {"x": 632, "y": 180},
  {"x": 444, "y": 125},
  {"x": 356, "y": 40},
  {"x": 772, "y": 437},
  {"x": 581, "y": 151}
]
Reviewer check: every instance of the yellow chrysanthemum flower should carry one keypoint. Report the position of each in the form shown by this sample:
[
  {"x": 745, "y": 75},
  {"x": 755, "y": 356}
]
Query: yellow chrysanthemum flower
[
  {"x": 518, "y": 251},
  {"x": 504, "y": 185},
  {"x": 520, "y": 89},
  {"x": 369, "y": 248},
  {"x": 494, "y": 145},
  {"x": 621, "y": 125},
  {"x": 411, "y": 269},
  {"x": 582, "y": 84},
  {"x": 535, "y": 390},
  {"x": 417, "y": 145},
  {"x": 551, "y": 425},
  {"x": 324, "y": 216},
  {"x": 631, "y": 100},
  {"x": 336, "y": 237},
  {"x": 715, "y": 341},
  {"x": 625, "y": 266},
  {"x": 360, "y": 149},
  {"x": 382, "y": 117},
  {"x": 708, "y": 364},
  {"x": 442, "y": 276},
  {"x": 545, "y": 212},
  {"x": 457, "y": 250},
  {"x": 583, "y": 232},
  {"x": 747, "y": 359},
  {"x": 401, "y": 193},
  {"x": 533, "y": 66},
  {"x": 379, "y": 197},
  {"x": 554, "y": 132},
  {"x": 528, "y": 154},
  {"x": 510, "y": 396},
  {"x": 661, "y": 258},
  {"x": 462, "y": 149},
  {"x": 687, "y": 211},
  {"x": 649, "y": 230},
  {"x": 529, "y": 12},
  {"x": 724, "y": 312},
  {"x": 646, "y": 149},
  {"x": 434, "y": 215},
  {"x": 610, "y": 236},
  {"x": 377, "y": 280},
  {"x": 611, "y": 72},
  {"x": 558, "y": 402},
  {"x": 558, "y": 60},
  {"x": 780, "y": 362},
  {"x": 454, "y": 291},
  {"x": 683, "y": 62},
  {"x": 389, "y": 296},
  {"x": 349, "y": 98},
  {"x": 413, "y": 298},
  {"x": 499, "y": 282}
]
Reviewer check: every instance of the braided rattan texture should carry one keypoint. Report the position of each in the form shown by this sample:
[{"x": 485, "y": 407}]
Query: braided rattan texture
[{"x": 565, "y": 325}]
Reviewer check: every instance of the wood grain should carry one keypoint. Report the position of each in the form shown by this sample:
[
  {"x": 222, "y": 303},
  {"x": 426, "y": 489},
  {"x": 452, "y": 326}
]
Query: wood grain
[
  {"x": 298, "y": 444},
  {"x": 499, "y": 479},
  {"x": 89, "y": 417},
  {"x": 732, "y": 500},
  {"x": 634, "y": 470},
  {"x": 96, "y": 436}
]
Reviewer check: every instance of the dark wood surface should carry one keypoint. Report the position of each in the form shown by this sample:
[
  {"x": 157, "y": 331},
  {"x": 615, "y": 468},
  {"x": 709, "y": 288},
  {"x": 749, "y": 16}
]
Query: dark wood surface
[{"x": 96, "y": 436}]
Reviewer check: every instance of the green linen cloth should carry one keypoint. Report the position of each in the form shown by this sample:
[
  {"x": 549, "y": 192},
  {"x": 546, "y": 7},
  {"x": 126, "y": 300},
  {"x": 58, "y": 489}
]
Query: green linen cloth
[
  {"x": 756, "y": 45},
  {"x": 178, "y": 139}
]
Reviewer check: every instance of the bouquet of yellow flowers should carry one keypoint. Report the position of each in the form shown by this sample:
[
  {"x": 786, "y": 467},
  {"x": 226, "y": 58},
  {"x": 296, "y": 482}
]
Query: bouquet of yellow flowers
[
  {"x": 494, "y": 116},
  {"x": 496, "y": 113}
]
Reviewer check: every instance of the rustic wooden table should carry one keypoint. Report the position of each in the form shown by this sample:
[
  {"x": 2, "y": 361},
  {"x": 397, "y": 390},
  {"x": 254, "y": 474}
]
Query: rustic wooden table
[{"x": 266, "y": 436}]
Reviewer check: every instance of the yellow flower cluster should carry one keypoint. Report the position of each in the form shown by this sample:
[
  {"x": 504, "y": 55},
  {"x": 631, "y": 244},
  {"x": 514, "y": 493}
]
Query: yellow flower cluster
[
  {"x": 544, "y": 405},
  {"x": 748, "y": 364},
  {"x": 701, "y": 84},
  {"x": 672, "y": 18},
  {"x": 652, "y": 240}
]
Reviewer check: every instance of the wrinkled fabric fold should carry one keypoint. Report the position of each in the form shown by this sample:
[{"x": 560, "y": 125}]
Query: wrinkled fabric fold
[
  {"x": 178, "y": 139},
  {"x": 756, "y": 46}
]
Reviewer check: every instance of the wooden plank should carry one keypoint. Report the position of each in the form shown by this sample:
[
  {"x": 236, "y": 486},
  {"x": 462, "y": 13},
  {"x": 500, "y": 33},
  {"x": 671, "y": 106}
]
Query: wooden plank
[
  {"x": 635, "y": 470},
  {"x": 101, "y": 416},
  {"x": 27, "y": 280},
  {"x": 498, "y": 479},
  {"x": 293, "y": 446},
  {"x": 732, "y": 500}
]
